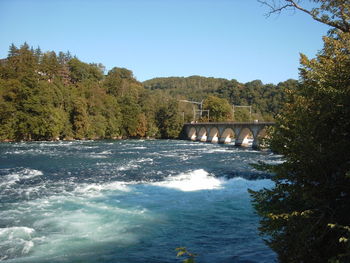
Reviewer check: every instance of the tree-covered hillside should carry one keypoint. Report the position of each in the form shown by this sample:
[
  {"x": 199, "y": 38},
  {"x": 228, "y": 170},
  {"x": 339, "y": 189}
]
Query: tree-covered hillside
[
  {"x": 266, "y": 99},
  {"x": 45, "y": 96},
  {"x": 49, "y": 96}
]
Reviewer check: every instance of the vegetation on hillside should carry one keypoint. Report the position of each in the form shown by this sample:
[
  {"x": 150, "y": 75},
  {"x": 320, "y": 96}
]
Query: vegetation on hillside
[
  {"x": 266, "y": 99},
  {"x": 49, "y": 96},
  {"x": 305, "y": 216},
  {"x": 45, "y": 96}
]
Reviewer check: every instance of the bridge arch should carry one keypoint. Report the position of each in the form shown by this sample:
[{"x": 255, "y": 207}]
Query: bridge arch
[
  {"x": 213, "y": 135},
  {"x": 224, "y": 132},
  {"x": 192, "y": 134},
  {"x": 227, "y": 135},
  {"x": 242, "y": 138},
  {"x": 202, "y": 134},
  {"x": 257, "y": 138},
  {"x": 262, "y": 132}
]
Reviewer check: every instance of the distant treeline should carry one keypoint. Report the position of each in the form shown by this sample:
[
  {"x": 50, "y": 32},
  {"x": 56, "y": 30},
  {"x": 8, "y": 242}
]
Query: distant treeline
[
  {"x": 49, "y": 96},
  {"x": 266, "y": 99}
]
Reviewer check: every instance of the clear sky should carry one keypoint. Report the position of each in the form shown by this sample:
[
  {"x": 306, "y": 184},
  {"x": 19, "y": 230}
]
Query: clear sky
[{"x": 159, "y": 38}]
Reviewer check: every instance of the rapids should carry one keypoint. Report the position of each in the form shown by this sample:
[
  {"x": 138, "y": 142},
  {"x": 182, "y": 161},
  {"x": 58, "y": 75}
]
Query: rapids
[{"x": 129, "y": 201}]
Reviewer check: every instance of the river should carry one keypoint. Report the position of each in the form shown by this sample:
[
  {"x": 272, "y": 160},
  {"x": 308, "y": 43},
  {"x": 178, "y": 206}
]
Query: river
[{"x": 129, "y": 201}]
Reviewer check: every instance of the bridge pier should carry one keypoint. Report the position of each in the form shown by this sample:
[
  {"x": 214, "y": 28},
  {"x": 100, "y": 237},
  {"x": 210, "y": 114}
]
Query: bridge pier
[
  {"x": 203, "y": 138},
  {"x": 202, "y": 134},
  {"x": 226, "y": 132},
  {"x": 256, "y": 143},
  {"x": 192, "y": 134},
  {"x": 213, "y": 139},
  {"x": 225, "y": 140},
  {"x": 238, "y": 142}
]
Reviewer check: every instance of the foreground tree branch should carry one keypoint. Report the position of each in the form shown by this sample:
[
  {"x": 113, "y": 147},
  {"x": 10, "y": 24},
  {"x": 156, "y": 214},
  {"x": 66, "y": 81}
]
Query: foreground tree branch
[{"x": 334, "y": 13}]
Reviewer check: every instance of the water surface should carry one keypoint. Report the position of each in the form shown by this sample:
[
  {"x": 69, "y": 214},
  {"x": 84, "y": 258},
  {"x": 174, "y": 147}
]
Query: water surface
[{"x": 129, "y": 201}]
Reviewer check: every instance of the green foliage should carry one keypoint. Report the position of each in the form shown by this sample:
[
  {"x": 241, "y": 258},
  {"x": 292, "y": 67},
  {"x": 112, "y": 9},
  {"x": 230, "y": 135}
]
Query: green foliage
[
  {"x": 305, "y": 217},
  {"x": 219, "y": 109},
  {"x": 266, "y": 100},
  {"x": 80, "y": 119},
  {"x": 121, "y": 82},
  {"x": 47, "y": 97},
  {"x": 80, "y": 71},
  {"x": 169, "y": 120},
  {"x": 111, "y": 112},
  {"x": 130, "y": 111}
]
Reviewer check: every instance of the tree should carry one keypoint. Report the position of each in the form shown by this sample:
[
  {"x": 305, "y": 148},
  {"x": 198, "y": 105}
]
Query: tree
[
  {"x": 305, "y": 216},
  {"x": 80, "y": 71},
  {"x": 49, "y": 65},
  {"x": 169, "y": 120},
  {"x": 130, "y": 112},
  {"x": 80, "y": 119},
  {"x": 141, "y": 129},
  {"x": 21, "y": 64},
  {"x": 7, "y": 108},
  {"x": 13, "y": 51},
  {"x": 120, "y": 82},
  {"x": 219, "y": 109}
]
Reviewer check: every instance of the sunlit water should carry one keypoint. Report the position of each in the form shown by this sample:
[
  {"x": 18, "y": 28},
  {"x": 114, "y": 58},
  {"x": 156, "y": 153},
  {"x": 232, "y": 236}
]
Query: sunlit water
[{"x": 129, "y": 201}]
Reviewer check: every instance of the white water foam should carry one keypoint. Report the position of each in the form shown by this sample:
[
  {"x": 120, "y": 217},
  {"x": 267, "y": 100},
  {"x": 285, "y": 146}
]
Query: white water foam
[
  {"x": 72, "y": 222},
  {"x": 103, "y": 154},
  {"x": 78, "y": 220},
  {"x": 214, "y": 150},
  {"x": 15, "y": 240},
  {"x": 30, "y": 151},
  {"x": 25, "y": 173},
  {"x": 200, "y": 179},
  {"x": 139, "y": 148},
  {"x": 106, "y": 152},
  {"x": 192, "y": 181},
  {"x": 143, "y": 160},
  {"x": 12, "y": 232},
  {"x": 129, "y": 166},
  {"x": 96, "y": 189}
]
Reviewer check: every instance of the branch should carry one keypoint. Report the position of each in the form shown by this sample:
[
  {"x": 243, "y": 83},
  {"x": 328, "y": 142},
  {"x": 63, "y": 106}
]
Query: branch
[
  {"x": 343, "y": 16},
  {"x": 345, "y": 27},
  {"x": 274, "y": 8}
]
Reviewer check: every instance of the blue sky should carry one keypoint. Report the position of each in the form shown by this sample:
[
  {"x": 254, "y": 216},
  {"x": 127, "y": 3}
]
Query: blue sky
[{"x": 159, "y": 38}]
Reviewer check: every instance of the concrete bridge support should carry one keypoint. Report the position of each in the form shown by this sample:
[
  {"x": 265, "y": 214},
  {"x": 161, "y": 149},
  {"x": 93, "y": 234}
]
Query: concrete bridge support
[
  {"x": 227, "y": 135},
  {"x": 202, "y": 135},
  {"x": 213, "y": 135},
  {"x": 226, "y": 132},
  {"x": 243, "y": 136},
  {"x": 192, "y": 134}
]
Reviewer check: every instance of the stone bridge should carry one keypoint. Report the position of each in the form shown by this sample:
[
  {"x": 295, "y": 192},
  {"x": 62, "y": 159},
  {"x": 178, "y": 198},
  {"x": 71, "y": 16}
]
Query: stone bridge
[{"x": 225, "y": 132}]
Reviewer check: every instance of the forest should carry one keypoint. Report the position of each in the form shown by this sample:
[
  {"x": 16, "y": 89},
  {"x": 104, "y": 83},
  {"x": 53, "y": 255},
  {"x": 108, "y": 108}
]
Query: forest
[{"x": 49, "y": 96}]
